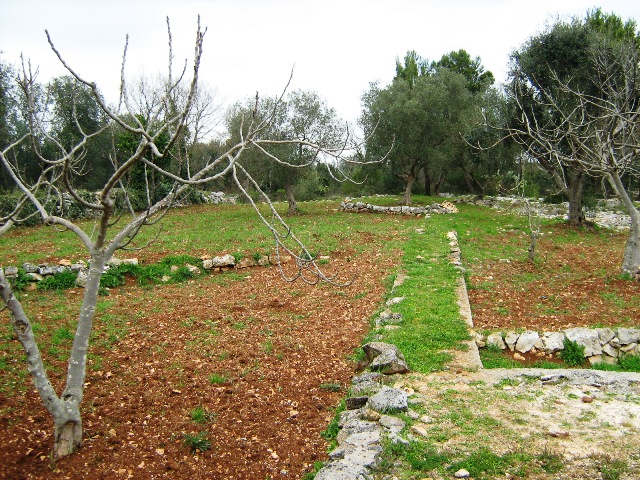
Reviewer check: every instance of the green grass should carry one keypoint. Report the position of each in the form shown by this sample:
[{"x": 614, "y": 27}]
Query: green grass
[
  {"x": 218, "y": 379},
  {"x": 432, "y": 323},
  {"x": 432, "y": 326},
  {"x": 201, "y": 415}
]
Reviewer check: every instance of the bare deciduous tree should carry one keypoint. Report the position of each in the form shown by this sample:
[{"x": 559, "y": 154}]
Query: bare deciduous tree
[
  {"x": 596, "y": 133},
  {"x": 170, "y": 120}
]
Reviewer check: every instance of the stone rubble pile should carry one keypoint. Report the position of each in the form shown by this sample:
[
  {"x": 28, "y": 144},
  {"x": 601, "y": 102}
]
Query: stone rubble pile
[
  {"x": 435, "y": 208},
  {"x": 607, "y": 213},
  {"x": 601, "y": 345}
]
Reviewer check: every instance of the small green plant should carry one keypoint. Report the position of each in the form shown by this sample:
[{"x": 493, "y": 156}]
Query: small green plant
[
  {"x": 267, "y": 346},
  {"x": 610, "y": 468},
  {"x": 333, "y": 428},
  {"x": 201, "y": 415},
  {"x": 61, "y": 281},
  {"x": 572, "y": 354},
  {"x": 550, "y": 462},
  {"x": 19, "y": 281},
  {"x": 217, "y": 379},
  {"x": 330, "y": 387},
  {"x": 316, "y": 468},
  {"x": 197, "y": 442}
]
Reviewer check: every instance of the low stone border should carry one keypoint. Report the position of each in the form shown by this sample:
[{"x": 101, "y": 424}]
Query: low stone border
[
  {"x": 435, "y": 208},
  {"x": 368, "y": 419},
  {"x": 601, "y": 345},
  {"x": 37, "y": 273}
]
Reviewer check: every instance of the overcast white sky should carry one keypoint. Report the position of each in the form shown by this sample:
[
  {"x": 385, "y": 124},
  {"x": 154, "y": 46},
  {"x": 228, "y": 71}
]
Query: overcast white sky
[{"x": 337, "y": 46}]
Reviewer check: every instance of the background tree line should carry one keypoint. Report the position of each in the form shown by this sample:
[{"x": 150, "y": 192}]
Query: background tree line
[{"x": 447, "y": 125}]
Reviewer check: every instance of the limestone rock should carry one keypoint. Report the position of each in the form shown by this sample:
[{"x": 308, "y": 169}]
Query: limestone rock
[
  {"x": 510, "y": 339},
  {"x": 246, "y": 262},
  {"x": 219, "y": 262},
  {"x": 389, "y": 400},
  {"x": 605, "y": 335},
  {"x": 586, "y": 337},
  {"x": 81, "y": 280},
  {"x": 627, "y": 336},
  {"x": 526, "y": 340},
  {"x": 385, "y": 358},
  {"x": 495, "y": 339},
  {"x": 11, "y": 271},
  {"x": 30, "y": 267},
  {"x": 552, "y": 341},
  {"x": 393, "y": 424}
]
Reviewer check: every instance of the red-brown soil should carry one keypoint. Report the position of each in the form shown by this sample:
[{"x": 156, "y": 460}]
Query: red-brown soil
[
  {"x": 571, "y": 284},
  {"x": 276, "y": 343}
]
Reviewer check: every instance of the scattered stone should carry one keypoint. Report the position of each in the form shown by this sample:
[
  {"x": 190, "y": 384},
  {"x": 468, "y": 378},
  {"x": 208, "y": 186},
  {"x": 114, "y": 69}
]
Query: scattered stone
[
  {"x": 462, "y": 473},
  {"x": 385, "y": 358},
  {"x": 496, "y": 340},
  {"x": 353, "y": 403},
  {"x": 419, "y": 430}
]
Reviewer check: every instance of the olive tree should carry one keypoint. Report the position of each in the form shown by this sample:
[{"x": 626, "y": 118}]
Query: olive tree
[{"x": 157, "y": 132}]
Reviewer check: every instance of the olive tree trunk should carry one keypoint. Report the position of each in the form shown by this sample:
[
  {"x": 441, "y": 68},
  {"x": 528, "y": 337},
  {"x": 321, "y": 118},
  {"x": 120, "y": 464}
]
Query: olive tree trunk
[
  {"x": 291, "y": 198},
  {"x": 574, "y": 194},
  {"x": 408, "y": 186}
]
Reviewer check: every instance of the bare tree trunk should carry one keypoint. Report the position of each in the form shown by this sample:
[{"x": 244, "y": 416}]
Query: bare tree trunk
[
  {"x": 408, "y": 186},
  {"x": 65, "y": 409},
  {"x": 631, "y": 257},
  {"x": 293, "y": 204}
]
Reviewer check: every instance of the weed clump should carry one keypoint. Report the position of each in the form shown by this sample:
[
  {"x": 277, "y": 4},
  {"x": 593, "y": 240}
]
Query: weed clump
[{"x": 573, "y": 354}]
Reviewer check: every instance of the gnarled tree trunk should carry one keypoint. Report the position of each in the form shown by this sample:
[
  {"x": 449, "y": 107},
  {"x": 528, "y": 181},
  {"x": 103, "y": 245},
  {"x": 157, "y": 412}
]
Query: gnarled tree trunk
[
  {"x": 291, "y": 198},
  {"x": 409, "y": 179},
  {"x": 574, "y": 193}
]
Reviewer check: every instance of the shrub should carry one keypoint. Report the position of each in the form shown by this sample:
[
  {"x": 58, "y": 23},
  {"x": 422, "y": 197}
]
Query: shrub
[
  {"x": 573, "y": 354},
  {"x": 61, "y": 281}
]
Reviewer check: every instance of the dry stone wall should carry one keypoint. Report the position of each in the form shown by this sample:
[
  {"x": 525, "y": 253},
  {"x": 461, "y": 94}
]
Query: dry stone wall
[{"x": 601, "y": 345}]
